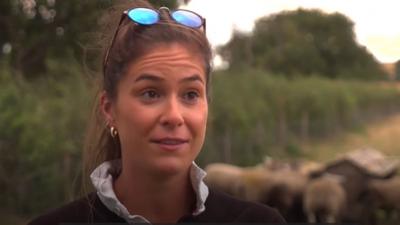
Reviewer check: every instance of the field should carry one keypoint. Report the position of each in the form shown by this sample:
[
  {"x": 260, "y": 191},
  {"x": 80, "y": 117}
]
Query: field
[{"x": 382, "y": 135}]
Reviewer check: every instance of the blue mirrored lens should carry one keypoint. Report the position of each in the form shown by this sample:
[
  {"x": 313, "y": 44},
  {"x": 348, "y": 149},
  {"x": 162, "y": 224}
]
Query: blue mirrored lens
[
  {"x": 187, "y": 18},
  {"x": 143, "y": 16}
]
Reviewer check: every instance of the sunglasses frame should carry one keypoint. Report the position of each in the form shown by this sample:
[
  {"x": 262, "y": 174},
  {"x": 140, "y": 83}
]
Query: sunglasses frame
[{"x": 125, "y": 14}]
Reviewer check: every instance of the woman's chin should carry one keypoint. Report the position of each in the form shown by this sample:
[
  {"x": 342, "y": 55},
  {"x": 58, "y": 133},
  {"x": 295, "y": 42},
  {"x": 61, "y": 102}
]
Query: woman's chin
[{"x": 171, "y": 167}]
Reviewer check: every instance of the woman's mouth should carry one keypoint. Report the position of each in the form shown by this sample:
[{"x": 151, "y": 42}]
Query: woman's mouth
[{"x": 170, "y": 144}]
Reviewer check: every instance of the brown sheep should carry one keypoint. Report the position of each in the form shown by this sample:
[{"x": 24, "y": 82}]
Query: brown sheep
[
  {"x": 384, "y": 194},
  {"x": 280, "y": 189},
  {"x": 225, "y": 178},
  {"x": 325, "y": 199},
  {"x": 287, "y": 194},
  {"x": 256, "y": 183}
]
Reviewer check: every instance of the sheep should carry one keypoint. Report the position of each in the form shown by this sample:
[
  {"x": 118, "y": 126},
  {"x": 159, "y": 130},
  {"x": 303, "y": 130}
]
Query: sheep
[
  {"x": 384, "y": 194},
  {"x": 307, "y": 168},
  {"x": 287, "y": 194},
  {"x": 225, "y": 177},
  {"x": 280, "y": 189},
  {"x": 324, "y": 199},
  {"x": 256, "y": 183}
]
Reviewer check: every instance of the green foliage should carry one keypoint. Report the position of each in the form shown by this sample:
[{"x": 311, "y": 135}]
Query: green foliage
[
  {"x": 254, "y": 112},
  {"x": 41, "y": 29},
  {"x": 41, "y": 132},
  {"x": 305, "y": 42}
]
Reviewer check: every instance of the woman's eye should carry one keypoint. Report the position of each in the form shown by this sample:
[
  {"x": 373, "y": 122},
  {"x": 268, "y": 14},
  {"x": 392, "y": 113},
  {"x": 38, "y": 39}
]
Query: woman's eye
[
  {"x": 150, "y": 95},
  {"x": 191, "y": 96}
]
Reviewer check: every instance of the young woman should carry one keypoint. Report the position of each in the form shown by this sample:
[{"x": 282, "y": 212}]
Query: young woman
[{"x": 154, "y": 106}]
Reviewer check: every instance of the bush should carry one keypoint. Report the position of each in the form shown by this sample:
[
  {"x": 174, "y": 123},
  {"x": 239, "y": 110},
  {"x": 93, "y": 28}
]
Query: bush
[
  {"x": 42, "y": 124},
  {"x": 253, "y": 112}
]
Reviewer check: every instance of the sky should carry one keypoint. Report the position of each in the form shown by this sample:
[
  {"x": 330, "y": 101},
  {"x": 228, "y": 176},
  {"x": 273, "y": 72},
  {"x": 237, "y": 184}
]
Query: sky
[{"x": 376, "y": 22}]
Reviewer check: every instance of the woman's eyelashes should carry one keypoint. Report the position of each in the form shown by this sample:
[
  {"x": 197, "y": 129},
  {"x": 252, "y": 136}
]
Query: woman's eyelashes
[
  {"x": 191, "y": 97},
  {"x": 150, "y": 95},
  {"x": 153, "y": 95}
]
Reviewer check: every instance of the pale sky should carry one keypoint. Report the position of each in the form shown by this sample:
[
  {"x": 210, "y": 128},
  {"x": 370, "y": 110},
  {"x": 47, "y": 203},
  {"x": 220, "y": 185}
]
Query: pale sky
[{"x": 377, "y": 22}]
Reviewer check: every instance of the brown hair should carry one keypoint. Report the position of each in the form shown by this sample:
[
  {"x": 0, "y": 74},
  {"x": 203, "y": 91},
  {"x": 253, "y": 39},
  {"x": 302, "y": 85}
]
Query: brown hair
[{"x": 131, "y": 42}]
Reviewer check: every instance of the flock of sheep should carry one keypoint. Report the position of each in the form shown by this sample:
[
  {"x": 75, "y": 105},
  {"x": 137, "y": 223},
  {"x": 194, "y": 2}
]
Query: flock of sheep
[{"x": 345, "y": 190}]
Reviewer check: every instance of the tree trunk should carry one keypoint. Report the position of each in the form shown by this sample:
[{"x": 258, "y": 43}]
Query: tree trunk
[
  {"x": 67, "y": 176},
  {"x": 282, "y": 126},
  {"x": 227, "y": 147},
  {"x": 305, "y": 126}
]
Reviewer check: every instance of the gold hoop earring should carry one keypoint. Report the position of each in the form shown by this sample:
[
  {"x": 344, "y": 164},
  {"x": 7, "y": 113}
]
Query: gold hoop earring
[{"x": 113, "y": 132}]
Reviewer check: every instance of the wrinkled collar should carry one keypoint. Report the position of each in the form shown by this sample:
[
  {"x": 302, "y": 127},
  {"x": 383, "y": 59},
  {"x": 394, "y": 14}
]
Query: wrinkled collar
[{"x": 102, "y": 180}]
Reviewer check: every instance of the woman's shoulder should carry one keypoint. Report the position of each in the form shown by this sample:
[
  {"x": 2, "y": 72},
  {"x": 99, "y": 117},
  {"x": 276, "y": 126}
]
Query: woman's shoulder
[
  {"x": 221, "y": 207},
  {"x": 83, "y": 210}
]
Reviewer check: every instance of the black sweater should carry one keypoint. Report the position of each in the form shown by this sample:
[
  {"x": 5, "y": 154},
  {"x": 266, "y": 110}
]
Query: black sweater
[{"x": 220, "y": 208}]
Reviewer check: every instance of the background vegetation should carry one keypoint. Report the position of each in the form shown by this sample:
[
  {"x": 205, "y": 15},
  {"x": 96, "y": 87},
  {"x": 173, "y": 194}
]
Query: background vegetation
[
  {"x": 254, "y": 113},
  {"x": 299, "y": 77}
]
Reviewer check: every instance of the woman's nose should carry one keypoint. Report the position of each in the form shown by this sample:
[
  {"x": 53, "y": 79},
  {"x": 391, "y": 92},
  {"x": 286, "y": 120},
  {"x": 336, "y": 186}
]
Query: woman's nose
[{"x": 172, "y": 114}]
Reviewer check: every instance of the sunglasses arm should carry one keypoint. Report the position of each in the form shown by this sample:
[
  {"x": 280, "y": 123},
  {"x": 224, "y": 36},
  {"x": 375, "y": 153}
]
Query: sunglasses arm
[
  {"x": 204, "y": 26},
  {"x": 105, "y": 61}
]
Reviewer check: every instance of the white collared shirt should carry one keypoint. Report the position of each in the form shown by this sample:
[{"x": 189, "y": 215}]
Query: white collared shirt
[{"x": 102, "y": 180}]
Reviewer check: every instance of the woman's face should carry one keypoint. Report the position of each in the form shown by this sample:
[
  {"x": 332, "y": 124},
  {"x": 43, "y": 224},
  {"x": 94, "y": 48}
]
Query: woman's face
[{"x": 161, "y": 110}]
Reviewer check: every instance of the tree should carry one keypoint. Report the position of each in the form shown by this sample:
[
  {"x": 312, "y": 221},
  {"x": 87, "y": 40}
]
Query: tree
[
  {"x": 33, "y": 31},
  {"x": 303, "y": 42}
]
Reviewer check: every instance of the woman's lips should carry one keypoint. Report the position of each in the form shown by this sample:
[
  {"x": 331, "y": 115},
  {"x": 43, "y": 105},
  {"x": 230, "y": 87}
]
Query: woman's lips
[{"x": 170, "y": 144}]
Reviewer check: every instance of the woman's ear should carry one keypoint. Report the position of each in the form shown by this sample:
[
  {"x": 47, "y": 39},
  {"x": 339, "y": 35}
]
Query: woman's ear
[{"x": 106, "y": 106}]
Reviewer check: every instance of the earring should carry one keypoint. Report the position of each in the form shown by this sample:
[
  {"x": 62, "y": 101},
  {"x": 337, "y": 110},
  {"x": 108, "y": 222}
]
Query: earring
[{"x": 113, "y": 132}]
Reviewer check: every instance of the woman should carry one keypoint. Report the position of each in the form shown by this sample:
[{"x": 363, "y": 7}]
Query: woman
[{"x": 154, "y": 104}]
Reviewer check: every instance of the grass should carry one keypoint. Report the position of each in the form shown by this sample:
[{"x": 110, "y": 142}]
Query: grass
[{"x": 383, "y": 135}]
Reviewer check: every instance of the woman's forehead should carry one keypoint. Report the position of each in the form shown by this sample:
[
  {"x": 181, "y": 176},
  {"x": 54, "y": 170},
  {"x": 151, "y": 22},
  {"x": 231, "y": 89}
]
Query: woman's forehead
[{"x": 170, "y": 57}]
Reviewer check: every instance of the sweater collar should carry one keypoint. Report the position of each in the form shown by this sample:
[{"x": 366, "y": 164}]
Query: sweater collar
[{"x": 102, "y": 180}]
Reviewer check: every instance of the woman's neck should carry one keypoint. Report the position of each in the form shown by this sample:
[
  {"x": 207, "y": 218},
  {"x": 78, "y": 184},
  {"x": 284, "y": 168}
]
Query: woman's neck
[{"x": 158, "y": 200}]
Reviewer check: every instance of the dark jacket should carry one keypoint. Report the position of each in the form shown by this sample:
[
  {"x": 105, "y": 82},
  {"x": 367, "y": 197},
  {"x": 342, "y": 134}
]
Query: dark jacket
[{"x": 220, "y": 208}]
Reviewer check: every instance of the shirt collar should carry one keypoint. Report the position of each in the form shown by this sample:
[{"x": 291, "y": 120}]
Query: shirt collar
[{"x": 102, "y": 180}]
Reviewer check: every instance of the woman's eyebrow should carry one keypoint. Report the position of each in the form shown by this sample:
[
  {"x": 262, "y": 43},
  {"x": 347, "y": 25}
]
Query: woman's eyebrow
[
  {"x": 150, "y": 77},
  {"x": 194, "y": 77}
]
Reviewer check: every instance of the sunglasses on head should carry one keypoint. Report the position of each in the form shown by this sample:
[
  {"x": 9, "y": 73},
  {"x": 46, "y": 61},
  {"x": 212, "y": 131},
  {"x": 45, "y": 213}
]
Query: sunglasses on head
[{"x": 147, "y": 16}]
